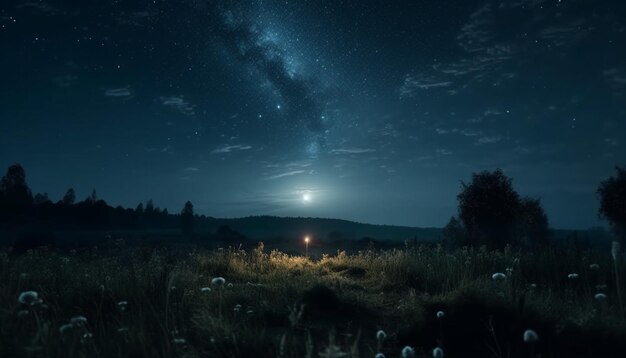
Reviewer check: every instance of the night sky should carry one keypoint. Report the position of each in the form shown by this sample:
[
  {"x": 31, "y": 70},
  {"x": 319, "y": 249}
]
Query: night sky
[{"x": 370, "y": 110}]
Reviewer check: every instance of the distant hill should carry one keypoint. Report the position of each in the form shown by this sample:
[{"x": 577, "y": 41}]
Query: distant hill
[{"x": 271, "y": 227}]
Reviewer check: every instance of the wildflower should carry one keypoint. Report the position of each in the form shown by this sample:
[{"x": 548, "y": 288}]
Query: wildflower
[
  {"x": 601, "y": 287},
  {"x": 509, "y": 271},
  {"x": 237, "y": 308},
  {"x": 408, "y": 352},
  {"x": 249, "y": 312},
  {"x": 381, "y": 335},
  {"x": 615, "y": 248},
  {"x": 179, "y": 341},
  {"x": 594, "y": 266},
  {"x": 205, "y": 289},
  {"x": 572, "y": 276},
  {"x": 78, "y": 320},
  {"x": 86, "y": 337},
  {"x": 530, "y": 336},
  {"x": 218, "y": 281},
  {"x": 440, "y": 314},
  {"x": 65, "y": 328},
  {"x": 28, "y": 298},
  {"x": 122, "y": 305},
  {"x": 438, "y": 353},
  {"x": 230, "y": 285},
  {"x": 533, "y": 285},
  {"x": 173, "y": 288},
  {"x": 122, "y": 329},
  {"x": 379, "y": 355},
  {"x": 600, "y": 296},
  {"x": 498, "y": 276}
]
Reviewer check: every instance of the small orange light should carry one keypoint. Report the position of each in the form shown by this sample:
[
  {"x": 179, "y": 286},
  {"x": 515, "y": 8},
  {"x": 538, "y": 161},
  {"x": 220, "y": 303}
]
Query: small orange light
[{"x": 306, "y": 239}]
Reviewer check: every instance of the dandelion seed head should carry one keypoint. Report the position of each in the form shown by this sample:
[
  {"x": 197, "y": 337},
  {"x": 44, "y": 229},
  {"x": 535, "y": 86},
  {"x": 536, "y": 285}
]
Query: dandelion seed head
[
  {"x": 205, "y": 289},
  {"x": 600, "y": 296},
  {"x": 438, "y": 352},
  {"x": 440, "y": 314},
  {"x": 381, "y": 335},
  {"x": 66, "y": 328},
  {"x": 218, "y": 281},
  {"x": 379, "y": 355},
  {"x": 78, "y": 320},
  {"x": 530, "y": 336},
  {"x": 408, "y": 352},
  {"x": 594, "y": 266},
  {"x": 572, "y": 276},
  {"x": 230, "y": 285},
  {"x": 28, "y": 298},
  {"x": 498, "y": 276}
]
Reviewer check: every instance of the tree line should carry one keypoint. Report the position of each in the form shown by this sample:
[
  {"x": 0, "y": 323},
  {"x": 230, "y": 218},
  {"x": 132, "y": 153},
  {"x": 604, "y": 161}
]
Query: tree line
[
  {"x": 490, "y": 211},
  {"x": 19, "y": 207}
]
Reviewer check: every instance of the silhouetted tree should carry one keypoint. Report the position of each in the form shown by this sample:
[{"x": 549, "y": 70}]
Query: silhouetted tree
[
  {"x": 149, "y": 207},
  {"x": 41, "y": 199},
  {"x": 93, "y": 198},
  {"x": 533, "y": 223},
  {"x": 16, "y": 196},
  {"x": 139, "y": 209},
  {"x": 489, "y": 208},
  {"x": 186, "y": 218},
  {"x": 454, "y": 233},
  {"x": 70, "y": 197},
  {"x": 612, "y": 194}
]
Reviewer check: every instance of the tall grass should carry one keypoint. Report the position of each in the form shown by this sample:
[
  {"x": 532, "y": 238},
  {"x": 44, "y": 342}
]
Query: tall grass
[{"x": 264, "y": 312}]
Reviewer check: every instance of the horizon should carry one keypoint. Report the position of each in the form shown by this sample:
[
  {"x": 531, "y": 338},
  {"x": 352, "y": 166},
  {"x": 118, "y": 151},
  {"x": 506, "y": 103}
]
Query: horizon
[{"x": 368, "y": 112}]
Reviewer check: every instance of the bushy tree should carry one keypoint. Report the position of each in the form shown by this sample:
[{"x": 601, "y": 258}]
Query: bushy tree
[
  {"x": 16, "y": 196},
  {"x": 489, "y": 208},
  {"x": 533, "y": 223},
  {"x": 493, "y": 213},
  {"x": 186, "y": 218},
  {"x": 454, "y": 233},
  {"x": 612, "y": 194},
  {"x": 70, "y": 197}
]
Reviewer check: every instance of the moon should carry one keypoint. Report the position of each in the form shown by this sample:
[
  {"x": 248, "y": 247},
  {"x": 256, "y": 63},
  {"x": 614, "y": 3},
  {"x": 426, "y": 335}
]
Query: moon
[{"x": 306, "y": 197}]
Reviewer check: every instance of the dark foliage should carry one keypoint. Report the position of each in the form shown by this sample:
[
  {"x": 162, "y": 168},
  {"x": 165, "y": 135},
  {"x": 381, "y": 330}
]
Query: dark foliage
[
  {"x": 15, "y": 196},
  {"x": 494, "y": 214},
  {"x": 612, "y": 194},
  {"x": 186, "y": 218},
  {"x": 32, "y": 240}
]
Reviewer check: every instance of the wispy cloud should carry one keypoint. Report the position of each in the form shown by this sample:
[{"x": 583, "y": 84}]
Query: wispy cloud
[
  {"x": 412, "y": 83},
  {"x": 352, "y": 150},
  {"x": 287, "y": 174},
  {"x": 179, "y": 104},
  {"x": 121, "y": 92},
  {"x": 230, "y": 148},
  {"x": 191, "y": 169}
]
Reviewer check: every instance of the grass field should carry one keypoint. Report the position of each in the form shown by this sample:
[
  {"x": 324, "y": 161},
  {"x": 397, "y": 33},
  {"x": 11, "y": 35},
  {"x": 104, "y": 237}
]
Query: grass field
[{"x": 133, "y": 302}]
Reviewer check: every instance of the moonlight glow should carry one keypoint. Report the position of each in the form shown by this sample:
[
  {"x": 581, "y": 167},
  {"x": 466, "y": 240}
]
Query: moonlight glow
[{"x": 306, "y": 197}]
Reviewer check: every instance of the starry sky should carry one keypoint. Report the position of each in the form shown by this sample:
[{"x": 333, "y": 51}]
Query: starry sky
[{"x": 364, "y": 110}]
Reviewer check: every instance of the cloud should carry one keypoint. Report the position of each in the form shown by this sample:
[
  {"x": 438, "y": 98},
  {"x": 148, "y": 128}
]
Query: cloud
[
  {"x": 616, "y": 80},
  {"x": 191, "y": 169},
  {"x": 179, "y": 104},
  {"x": 352, "y": 150},
  {"x": 230, "y": 148},
  {"x": 65, "y": 81},
  {"x": 489, "y": 140},
  {"x": 282, "y": 175},
  {"x": 413, "y": 83},
  {"x": 121, "y": 92}
]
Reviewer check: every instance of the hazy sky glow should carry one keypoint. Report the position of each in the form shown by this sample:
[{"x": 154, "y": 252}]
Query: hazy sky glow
[{"x": 374, "y": 110}]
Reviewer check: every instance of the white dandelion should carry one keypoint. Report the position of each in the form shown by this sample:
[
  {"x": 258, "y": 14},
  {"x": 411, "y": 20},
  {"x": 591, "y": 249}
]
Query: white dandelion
[
  {"x": 440, "y": 314},
  {"x": 28, "y": 298},
  {"x": 379, "y": 355},
  {"x": 438, "y": 352},
  {"x": 572, "y": 276},
  {"x": 218, "y": 281},
  {"x": 594, "y": 266},
  {"x": 381, "y": 335},
  {"x": 600, "y": 296},
  {"x": 498, "y": 276},
  {"x": 65, "y": 328},
  {"x": 205, "y": 289},
  {"x": 408, "y": 352},
  {"x": 78, "y": 320},
  {"x": 530, "y": 336}
]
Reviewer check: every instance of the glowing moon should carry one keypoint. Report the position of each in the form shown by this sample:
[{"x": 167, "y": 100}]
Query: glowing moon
[{"x": 306, "y": 197}]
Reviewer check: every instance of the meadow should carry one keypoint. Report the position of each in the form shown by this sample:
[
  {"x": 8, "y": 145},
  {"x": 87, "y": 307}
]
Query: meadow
[{"x": 226, "y": 302}]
